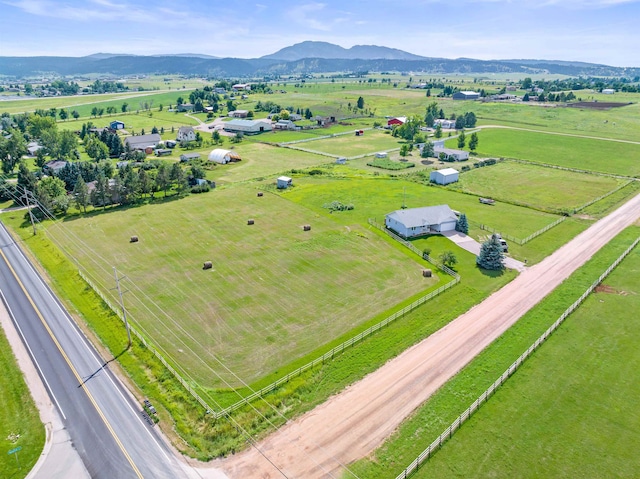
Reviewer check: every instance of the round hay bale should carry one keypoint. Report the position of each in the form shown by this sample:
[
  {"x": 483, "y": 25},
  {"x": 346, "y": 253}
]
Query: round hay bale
[
  {"x": 250, "y": 222},
  {"x": 133, "y": 239},
  {"x": 306, "y": 227},
  {"x": 426, "y": 273},
  {"x": 260, "y": 194},
  {"x": 207, "y": 265}
]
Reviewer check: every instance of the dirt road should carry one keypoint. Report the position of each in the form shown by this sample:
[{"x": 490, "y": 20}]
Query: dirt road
[{"x": 353, "y": 423}]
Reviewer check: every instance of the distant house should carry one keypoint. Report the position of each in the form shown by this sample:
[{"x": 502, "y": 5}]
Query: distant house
[
  {"x": 608, "y": 91},
  {"x": 33, "y": 147},
  {"x": 458, "y": 155},
  {"x": 185, "y": 107},
  {"x": 283, "y": 182},
  {"x": 444, "y": 123},
  {"x": 397, "y": 121},
  {"x": 54, "y": 167},
  {"x": 325, "y": 120},
  {"x": 420, "y": 221},
  {"x": 239, "y": 113},
  {"x": 444, "y": 176},
  {"x": 186, "y": 133},
  {"x": 219, "y": 91},
  {"x": 143, "y": 142},
  {"x": 189, "y": 156},
  {"x": 223, "y": 156},
  {"x": 285, "y": 125},
  {"x": 247, "y": 127},
  {"x": 241, "y": 87},
  {"x": 116, "y": 125},
  {"x": 466, "y": 95}
]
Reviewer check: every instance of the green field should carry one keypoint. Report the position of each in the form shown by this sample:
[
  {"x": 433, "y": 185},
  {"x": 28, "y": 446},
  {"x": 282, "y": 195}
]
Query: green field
[
  {"x": 534, "y": 186},
  {"x": 20, "y": 424},
  {"x": 275, "y": 292},
  {"x": 568, "y": 412},
  {"x": 560, "y": 414},
  {"x": 351, "y": 145},
  {"x": 582, "y": 153}
]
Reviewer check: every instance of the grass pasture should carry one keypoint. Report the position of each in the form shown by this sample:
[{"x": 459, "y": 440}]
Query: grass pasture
[
  {"x": 351, "y": 145},
  {"x": 535, "y": 186},
  {"x": 604, "y": 156},
  {"x": 275, "y": 292},
  {"x": 567, "y": 412}
]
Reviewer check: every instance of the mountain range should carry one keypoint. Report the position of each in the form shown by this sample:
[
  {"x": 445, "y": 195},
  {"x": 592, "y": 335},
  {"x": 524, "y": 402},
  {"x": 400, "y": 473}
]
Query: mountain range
[{"x": 303, "y": 58}]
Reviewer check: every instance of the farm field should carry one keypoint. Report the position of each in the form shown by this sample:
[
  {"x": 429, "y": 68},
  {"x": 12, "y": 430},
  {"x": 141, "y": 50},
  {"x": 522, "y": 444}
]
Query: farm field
[
  {"x": 535, "y": 186},
  {"x": 571, "y": 152},
  {"x": 259, "y": 160},
  {"x": 20, "y": 424},
  {"x": 567, "y": 411},
  {"x": 135, "y": 121},
  {"x": 274, "y": 293},
  {"x": 530, "y": 422},
  {"x": 351, "y": 145}
]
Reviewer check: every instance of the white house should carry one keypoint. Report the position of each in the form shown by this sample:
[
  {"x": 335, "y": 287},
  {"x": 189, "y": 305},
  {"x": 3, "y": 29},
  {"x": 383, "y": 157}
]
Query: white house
[
  {"x": 420, "y": 221},
  {"x": 285, "y": 125},
  {"x": 444, "y": 176},
  {"x": 241, "y": 87},
  {"x": 248, "y": 127},
  {"x": 444, "y": 123},
  {"x": 608, "y": 91},
  {"x": 143, "y": 142},
  {"x": 458, "y": 155},
  {"x": 186, "y": 133},
  {"x": 223, "y": 156},
  {"x": 239, "y": 113},
  {"x": 283, "y": 182}
]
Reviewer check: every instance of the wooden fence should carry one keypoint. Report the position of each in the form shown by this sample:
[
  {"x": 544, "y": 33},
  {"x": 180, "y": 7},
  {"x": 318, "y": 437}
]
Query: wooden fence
[{"x": 484, "y": 397}]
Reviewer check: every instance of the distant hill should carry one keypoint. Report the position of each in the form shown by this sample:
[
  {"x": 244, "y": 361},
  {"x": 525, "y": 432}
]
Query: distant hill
[
  {"x": 326, "y": 50},
  {"x": 302, "y": 58}
]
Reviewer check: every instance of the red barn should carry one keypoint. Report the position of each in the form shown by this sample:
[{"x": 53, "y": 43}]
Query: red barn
[{"x": 398, "y": 121}]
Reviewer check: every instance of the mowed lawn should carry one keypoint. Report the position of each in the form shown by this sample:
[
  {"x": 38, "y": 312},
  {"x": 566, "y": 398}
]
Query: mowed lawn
[
  {"x": 275, "y": 292},
  {"x": 572, "y": 409},
  {"x": 582, "y": 153},
  {"x": 352, "y": 145},
  {"x": 535, "y": 186}
]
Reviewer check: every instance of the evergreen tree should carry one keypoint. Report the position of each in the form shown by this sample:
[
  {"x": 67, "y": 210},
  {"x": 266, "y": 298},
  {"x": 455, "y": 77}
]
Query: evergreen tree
[
  {"x": 461, "y": 139},
  {"x": 81, "y": 193},
  {"x": 427, "y": 150},
  {"x": 473, "y": 142},
  {"x": 491, "y": 256},
  {"x": 462, "y": 225}
]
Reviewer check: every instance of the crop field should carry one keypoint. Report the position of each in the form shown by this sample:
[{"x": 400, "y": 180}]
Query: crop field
[
  {"x": 351, "y": 145},
  {"x": 535, "y": 186},
  {"x": 275, "y": 291},
  {"x": 567, "y": 412},
  {"x": 373, "y": 198},
  {"x": 582, "y": 153}
]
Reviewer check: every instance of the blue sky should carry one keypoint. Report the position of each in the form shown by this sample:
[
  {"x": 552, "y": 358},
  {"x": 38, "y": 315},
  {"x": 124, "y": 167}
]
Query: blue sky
[{"x": 599, "y": 31}]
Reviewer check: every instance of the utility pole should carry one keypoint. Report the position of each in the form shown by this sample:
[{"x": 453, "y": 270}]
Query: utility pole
[
  {"x": 124, "y": 311},
  {"x": 26, "y": 197}
]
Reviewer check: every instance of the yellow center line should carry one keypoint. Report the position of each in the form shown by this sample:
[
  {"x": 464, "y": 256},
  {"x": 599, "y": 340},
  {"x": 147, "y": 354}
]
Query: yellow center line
[{"x": 73, "y": 369}]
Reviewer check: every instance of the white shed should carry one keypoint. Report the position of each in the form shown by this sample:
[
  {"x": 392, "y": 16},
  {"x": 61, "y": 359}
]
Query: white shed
[
  {"x": 420, "y": 221},
  {"x": 381, "y": 154},
  {"x": 444, "y": 176},
  {"x": 223, "y": 156},
  {"x": 283, "y": 182}
]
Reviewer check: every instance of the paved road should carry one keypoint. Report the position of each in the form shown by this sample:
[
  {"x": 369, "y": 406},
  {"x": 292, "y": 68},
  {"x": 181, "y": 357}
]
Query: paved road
[
  {"x": 352, "y": 424},
  {"x": 103, "y": 421}
]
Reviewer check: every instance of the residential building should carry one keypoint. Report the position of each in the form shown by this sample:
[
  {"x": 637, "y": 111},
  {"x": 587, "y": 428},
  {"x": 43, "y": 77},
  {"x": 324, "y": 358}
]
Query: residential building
[
  {"x": 412, "y": 222},
  {"x": 466, "y": 95},
  {"x": 186, "y": 133}
]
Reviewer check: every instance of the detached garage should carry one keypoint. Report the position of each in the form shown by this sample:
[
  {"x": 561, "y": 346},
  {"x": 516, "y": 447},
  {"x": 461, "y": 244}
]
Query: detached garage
[
  {"x": 420, "y": 221},
  {"x": 444, "y": 176}
]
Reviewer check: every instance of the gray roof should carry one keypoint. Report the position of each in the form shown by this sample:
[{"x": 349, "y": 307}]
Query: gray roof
[
  {"x": 246, "y": 123},
  {"x": 185, "y": 129},
  {"x": 427, "y": 215},
  {"x": 143, "y": 140}
]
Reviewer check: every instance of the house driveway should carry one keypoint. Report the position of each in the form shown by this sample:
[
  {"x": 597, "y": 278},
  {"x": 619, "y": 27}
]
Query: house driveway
[{"x": 471, "y": 245}]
